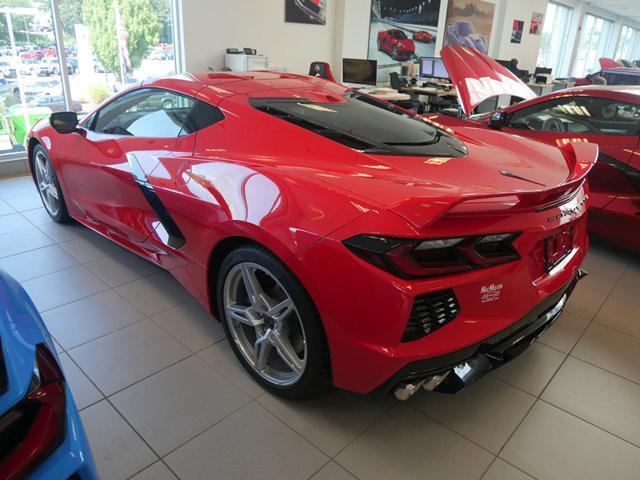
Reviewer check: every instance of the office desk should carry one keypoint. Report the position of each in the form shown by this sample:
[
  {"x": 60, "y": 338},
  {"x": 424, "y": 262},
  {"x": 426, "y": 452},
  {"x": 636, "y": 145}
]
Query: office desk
[
  {"x": 388, "y": 94},
  {"x": 540, "y": 88},
  {"x": 431, "y": 91}
]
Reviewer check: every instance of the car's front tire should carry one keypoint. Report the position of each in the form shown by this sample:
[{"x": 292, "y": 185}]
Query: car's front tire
[
  {"x": 271, "y": 323},
  {"x": 48, "y": 186}
]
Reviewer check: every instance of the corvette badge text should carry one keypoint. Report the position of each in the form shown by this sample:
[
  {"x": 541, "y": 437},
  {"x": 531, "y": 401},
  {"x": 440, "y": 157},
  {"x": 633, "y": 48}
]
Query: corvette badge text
[
  {"x": 490, "y": 293},
  {"x": 569, "y": 212}
]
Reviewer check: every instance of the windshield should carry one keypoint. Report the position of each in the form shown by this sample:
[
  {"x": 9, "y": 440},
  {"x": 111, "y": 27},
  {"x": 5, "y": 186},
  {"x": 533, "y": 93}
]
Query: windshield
[
  {"x": 399, "y": 35},
  {"x": 363, "y": 123}
]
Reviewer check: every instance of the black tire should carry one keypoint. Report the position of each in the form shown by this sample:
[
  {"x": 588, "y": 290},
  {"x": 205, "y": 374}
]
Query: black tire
[
  {"x": 62, "y": 215},
  {"x": 317, "y": 371}
]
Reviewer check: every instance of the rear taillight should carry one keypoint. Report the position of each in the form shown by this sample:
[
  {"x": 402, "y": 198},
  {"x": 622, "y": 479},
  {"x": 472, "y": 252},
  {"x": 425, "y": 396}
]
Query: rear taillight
[
  {"x": 410, "y": 258},
  {"x": 36, "y": 426}
]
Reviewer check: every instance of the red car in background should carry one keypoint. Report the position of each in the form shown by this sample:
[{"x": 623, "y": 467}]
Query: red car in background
[
  {"x": 423, "y": 36},
  {"x": 373, "y": 249},
  {"x": 608, "y": 116},
  {"x": 395, "y": 43}
]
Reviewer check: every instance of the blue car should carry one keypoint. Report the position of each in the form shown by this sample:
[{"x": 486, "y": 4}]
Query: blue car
[
  {"x": 463, "y": 33},
  {"x": 41, "y": 436}
]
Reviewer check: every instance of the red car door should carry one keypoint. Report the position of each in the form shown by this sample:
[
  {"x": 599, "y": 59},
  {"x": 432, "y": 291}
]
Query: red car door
[
  {"x": 105, "y": 169},
  {"x": 607, "y": 122}
]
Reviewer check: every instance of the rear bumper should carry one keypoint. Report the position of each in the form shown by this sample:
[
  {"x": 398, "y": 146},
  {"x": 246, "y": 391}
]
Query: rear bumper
[{"x": 457, "y": 370}]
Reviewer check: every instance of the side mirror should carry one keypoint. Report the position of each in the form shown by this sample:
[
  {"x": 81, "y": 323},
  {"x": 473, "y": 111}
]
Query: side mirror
[
  {"x": 498, "y": 119},
  {"x": 64, "y": 122}
]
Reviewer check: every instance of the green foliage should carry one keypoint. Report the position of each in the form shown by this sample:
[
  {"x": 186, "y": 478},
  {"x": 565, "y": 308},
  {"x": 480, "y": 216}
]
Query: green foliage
[
  {"x": 98, "y": 93},
  {"x": 141, "y": 20}
]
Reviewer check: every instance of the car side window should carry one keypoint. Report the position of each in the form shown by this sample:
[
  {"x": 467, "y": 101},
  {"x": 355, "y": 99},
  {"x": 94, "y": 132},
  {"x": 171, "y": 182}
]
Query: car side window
[
  {"x": 582, "y": 115},
  {"x": 147, "y": 112},
  {"x": 155, "y": 113}
]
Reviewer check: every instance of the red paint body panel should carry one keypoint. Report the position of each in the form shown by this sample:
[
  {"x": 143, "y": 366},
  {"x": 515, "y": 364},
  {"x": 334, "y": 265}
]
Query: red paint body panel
[
  {"x": 301, "y": 195},
  {"x": 478, "y": 77}
]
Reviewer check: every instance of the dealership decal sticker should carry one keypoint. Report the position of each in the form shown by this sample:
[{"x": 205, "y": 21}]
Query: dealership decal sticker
[{"x": 490, "y": 293}]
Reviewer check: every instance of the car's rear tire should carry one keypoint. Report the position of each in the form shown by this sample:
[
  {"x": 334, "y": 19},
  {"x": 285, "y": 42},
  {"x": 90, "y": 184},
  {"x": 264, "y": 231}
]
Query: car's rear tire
[
  {"x": 48, "y": 186},
  {"x": 271, "y": 323}
]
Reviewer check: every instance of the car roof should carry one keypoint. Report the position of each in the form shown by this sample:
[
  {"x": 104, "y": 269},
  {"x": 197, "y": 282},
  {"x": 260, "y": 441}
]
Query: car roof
[
  {"x": 215, "y": 86},
  {"x": 606, "y": 89}
]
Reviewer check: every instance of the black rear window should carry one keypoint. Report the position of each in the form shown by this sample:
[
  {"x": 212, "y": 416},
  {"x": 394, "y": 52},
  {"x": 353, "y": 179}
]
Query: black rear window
[{"x": 363, "y": 123}]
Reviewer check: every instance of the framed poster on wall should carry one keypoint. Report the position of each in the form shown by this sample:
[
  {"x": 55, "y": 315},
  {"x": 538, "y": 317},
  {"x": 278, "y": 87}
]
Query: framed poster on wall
[
  {"x": 536, "y": 23},
  {"x": 469, "y": 23},
  {"x": 305, "y": 11},
  {"x": 516, "y": 32},
  {"x": 402, "y": 30}
]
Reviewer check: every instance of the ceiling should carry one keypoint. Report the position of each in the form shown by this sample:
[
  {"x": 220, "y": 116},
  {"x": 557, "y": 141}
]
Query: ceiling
[{"x": 623, "y": 8}]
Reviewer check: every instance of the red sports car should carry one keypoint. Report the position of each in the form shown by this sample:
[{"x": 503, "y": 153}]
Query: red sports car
[
  {"x": 395, "y": 43},
  {"x": 337, "y": 238},
  {"x": 422, "y": 36},
  {"x": 606, "y": 115}
]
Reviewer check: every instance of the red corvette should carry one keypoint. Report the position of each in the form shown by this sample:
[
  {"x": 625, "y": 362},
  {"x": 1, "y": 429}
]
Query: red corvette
[
  {"x": 606, "y": 115},
  {"x": 395, "y": 43},
  {"x": 422, "y": 36},
  {"x": 338, "y": 238}
]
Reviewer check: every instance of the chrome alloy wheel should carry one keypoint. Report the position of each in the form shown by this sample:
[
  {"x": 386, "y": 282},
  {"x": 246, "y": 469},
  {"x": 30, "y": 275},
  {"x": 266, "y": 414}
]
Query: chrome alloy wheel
[
  {"x": 45, "y": 180},
  {"x": 265, "y": 324}
]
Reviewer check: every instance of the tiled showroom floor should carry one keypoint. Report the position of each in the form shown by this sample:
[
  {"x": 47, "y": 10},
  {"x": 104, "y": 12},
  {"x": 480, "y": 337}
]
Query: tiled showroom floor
[{"x": 161, "y": 394}]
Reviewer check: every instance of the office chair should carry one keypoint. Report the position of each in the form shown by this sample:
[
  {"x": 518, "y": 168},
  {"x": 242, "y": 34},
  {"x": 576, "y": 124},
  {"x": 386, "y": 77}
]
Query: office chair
[
  {"x": 398, "y": 83},
  {"x": 322, "y": 70}
]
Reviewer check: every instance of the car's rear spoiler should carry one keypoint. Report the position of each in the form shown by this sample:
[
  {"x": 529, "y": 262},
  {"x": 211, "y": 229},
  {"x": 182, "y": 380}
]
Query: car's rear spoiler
[{"x": 580, "y": 156}]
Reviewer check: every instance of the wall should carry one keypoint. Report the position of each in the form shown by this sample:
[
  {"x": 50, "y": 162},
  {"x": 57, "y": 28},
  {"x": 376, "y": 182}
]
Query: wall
[
  {"x": 527, "y": 51},
  {"x": 212, "y": 26}
]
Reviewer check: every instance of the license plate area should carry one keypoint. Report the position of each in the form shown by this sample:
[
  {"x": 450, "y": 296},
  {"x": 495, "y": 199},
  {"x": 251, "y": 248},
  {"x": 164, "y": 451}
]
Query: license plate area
[{"x": 557, "y": 247}]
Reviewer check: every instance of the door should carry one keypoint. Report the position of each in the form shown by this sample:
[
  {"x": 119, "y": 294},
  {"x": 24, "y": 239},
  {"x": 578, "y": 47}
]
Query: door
[
  {"x": 105, "y": 167},
  {"x": 610, "y": 123}
]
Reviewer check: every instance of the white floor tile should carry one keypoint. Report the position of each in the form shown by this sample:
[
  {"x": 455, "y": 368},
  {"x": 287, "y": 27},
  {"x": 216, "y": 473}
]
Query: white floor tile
[
  {"x": 178, "y": 403},
  {"x": 331, "y": 421},
  {"x": 120, "y": 359},
  {"x": 25, "y": 201},
  {"x": 333, "y": 471},
  {"x": 83, "y": 391},
  {"x": 565, "y": 332},
  {"x": 629, "y": 285},
  {"x": 122, "y": 268},
  {"x": 221, "y": 357},
  {"x": 59, "y": 288},
  {"x": 406, "y": 444},
  {"x": 501, "y": 470},
  {"x": 614, "y": 351},
  {"x": 597, "y": 396},
  {"x": 23, "y": 241},
  {"x": 585, "y": 301},
  {"x": 117, "y": 450},
  {"x": 155, "y": 293},
  {"x": 192, "y": 325},
  {"x": 64, "y": 232},
  {"x": 276, "y": 451},
  {"x": 621, "y": 314},
  {"x": 487, "y": 413},
  {"x": 12, "y": 223},
  {"x": 36, "y": 263},
  {"x": 157, "y": 471},
  {"x": 78, "y": 322},
  {"x": 91, "y": 247},
  {"x": 552, "y": 444},
  {"x": 532, "y": 370}
]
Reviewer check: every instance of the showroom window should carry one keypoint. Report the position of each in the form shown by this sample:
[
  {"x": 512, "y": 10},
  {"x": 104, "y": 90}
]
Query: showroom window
[
  {"x": 628, "y": 44},
  {"x": 553, "y": 51},
  {"x": 595, "y": 42},
  {"x": 109, "y": 45}
]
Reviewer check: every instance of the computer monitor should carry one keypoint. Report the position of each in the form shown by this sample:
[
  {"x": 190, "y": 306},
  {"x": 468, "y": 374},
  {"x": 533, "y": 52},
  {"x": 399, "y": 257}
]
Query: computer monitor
[
  {"x": 426, "y": 67},
  {"x": 542, "y": 71},
  {"x": 439, "y": 70},
  {"x": 359, "y": 71},
  {"x": 504, "y": 63}
]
